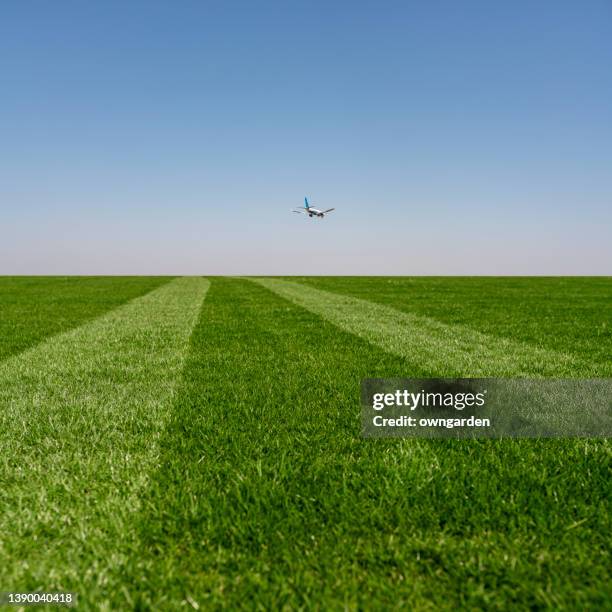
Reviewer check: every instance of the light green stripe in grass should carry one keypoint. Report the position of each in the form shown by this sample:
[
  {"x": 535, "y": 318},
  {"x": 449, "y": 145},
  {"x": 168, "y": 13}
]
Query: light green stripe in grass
[
  {"x": 431, "y": 348},
  {"x": 80, "y": 418}
]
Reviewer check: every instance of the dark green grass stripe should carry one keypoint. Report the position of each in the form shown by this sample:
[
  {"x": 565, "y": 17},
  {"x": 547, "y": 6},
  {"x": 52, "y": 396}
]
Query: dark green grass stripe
[
  {"x": 34, "y": 308},
  {"x": 266, "y": 496}
]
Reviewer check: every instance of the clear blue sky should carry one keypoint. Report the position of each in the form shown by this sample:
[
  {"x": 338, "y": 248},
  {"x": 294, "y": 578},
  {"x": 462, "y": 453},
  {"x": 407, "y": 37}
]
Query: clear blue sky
[{"x": 175, "y": 137}]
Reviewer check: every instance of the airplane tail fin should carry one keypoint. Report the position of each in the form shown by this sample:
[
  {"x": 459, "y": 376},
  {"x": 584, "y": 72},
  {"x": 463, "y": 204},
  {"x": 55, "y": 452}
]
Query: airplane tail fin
[{"x": 306, "y": 203}]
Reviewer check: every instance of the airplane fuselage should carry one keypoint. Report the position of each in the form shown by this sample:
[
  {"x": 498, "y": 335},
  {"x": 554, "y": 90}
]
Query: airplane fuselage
[{"x": 314, "y": 212}]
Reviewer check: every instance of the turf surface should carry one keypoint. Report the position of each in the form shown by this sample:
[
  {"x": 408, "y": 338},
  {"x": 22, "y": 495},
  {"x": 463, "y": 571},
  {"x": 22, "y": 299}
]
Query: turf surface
[
  {"x": 430, "y": 348},
  {"x": 247, "y": 484},
  {"x": 32, "y": 308},
  {"x": 81, "y": 415},
  {"x": 565, "y": 314}
]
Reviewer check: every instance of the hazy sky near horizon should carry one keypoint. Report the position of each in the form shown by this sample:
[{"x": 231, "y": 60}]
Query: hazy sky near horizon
[{"x": 175, "y": 137}]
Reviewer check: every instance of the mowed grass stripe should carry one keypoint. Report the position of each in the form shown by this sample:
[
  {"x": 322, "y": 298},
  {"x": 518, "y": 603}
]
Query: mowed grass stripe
[
  {"x": 430, "y": 348},
  {"x": 567, "y": 314},
  {"x": 80, "y": 417},
  {"x": 33, "y": 308},
  {"x": 268, "y": 498}
]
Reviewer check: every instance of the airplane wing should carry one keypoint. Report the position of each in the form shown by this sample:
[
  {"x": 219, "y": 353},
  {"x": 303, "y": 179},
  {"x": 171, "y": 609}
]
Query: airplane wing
[
  {"x": 329, "y": 210},
  {"x": 299, "y": 212}
]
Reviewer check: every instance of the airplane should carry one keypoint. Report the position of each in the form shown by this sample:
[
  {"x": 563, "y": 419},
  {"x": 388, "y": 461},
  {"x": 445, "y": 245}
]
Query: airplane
[{"x": 312, "y": 212}]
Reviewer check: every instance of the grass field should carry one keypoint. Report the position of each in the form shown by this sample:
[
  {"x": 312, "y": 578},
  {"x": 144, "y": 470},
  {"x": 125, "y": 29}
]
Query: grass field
[{"x": 195, "y": 443}]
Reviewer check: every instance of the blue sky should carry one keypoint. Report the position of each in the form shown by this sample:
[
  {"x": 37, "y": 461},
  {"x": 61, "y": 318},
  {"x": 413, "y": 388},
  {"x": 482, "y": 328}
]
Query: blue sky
[{"x": 175, "y": 137}]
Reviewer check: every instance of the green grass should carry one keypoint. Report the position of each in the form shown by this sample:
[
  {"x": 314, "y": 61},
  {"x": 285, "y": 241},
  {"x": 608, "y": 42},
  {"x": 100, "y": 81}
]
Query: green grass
[
  {"x": 430, "y": 347},
  {"x": 33, "y": 308},
  {"x": 565, "y": 314},
  {"x": 229, "y": 472},
  {"x": 81, "y": 414}
]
